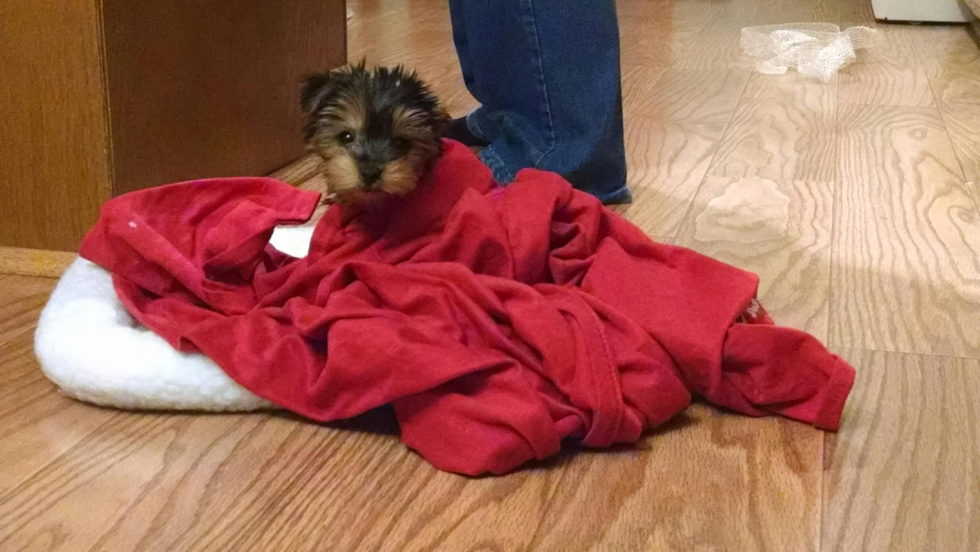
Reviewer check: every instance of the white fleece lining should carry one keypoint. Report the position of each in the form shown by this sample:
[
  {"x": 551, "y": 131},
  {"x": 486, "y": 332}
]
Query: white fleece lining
[{"x": 94, "y": 351}]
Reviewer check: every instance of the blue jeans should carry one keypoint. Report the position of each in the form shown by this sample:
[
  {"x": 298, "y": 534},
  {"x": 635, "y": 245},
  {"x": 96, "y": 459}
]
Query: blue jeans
[{"x": 546, "y": 74}]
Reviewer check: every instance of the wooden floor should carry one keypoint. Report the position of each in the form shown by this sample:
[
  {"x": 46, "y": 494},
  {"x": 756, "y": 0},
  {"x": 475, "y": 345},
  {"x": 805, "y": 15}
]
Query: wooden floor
[{"x": 856, "y": 201}]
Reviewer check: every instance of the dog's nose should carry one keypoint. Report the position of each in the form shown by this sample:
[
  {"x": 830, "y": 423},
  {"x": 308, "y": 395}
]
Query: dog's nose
[{"x": 370, "y": 175}]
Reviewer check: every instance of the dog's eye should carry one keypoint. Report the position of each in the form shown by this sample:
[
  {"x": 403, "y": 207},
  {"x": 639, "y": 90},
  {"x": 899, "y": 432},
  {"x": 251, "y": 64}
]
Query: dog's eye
[
  {"x": 401, "y": 145},
  {"x": 345, "y": 137}
]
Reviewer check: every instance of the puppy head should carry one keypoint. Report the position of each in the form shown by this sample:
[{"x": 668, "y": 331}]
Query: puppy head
[{"x": 376, "y": 130}]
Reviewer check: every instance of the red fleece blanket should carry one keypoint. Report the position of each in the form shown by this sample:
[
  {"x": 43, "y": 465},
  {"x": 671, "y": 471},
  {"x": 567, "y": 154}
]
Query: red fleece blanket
[{"x": 496, "y": 321}]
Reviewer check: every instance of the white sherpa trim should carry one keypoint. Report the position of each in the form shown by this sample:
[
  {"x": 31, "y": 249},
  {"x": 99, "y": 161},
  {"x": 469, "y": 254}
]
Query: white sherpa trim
[{"x": 92, "y": 349}]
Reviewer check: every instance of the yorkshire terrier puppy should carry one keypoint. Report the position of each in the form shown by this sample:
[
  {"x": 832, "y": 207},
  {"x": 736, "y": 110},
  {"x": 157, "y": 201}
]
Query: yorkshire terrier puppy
[{"x": 376, "y": 130}]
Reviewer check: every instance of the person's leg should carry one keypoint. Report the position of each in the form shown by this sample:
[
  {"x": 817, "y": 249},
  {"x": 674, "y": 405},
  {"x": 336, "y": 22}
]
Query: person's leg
[
  {"x": 546, "y": 73},
  {"x": 458, "y": 129},
  {"x": 456, "y": 16}
]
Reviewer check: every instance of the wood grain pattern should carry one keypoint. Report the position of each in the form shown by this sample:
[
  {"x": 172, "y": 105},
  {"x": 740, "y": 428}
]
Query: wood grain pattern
[
  {"x": 712, "y": 481},
  {"x": 158, "y": 481},
  {"x": 704, "y": 97},
  {"x": 667, "y": 22},
  {"x": 53, "y": 165},
  {"x": 651, "y": 45},
  {"x": 958, "y": 99},
  {"x": 305, "y": 174},
  {"x": 667, "y": 161},
  {"x": 783, "y": 129},
  {"x": 260, "y": 482},
  {"x": 907, "y": 237},
  {"x": 37, "y": 424},
  {"x": 857, "y": 13},
  {"x": 640, "y": 87},
  {"x": 716, "y": 47},
  {"x": 944, "y": 51},
  {"x": 34, "y": 262},
  {"x": 420, "y": 37},
  {"x": 446, "y": 81},
  {"x": 778, "y": 230},
  {"x": 672, "y": 128},
  {"x": 715, "y": 44},
  {"x": 889, "y": 73},
  {"x": 904, "y": 471},
  {"x": 810, "y": 11},
  {"x": 23, "y": 298},
  {"x": 222, "y": 96},
  {"x": 407, "y": 46},
  {"x": 392, "y": 35}
]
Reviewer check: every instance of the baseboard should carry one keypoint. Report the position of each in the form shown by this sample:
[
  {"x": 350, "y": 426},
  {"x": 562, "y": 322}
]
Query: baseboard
[{"x": 15, "y": 261}]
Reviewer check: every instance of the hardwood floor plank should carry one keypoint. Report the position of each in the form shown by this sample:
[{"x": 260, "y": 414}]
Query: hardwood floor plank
[
  {"x": 958, "y": 99},
  {"x": 299, "y": 171},
  {"x": 904, "y": 471},
  {"x": 37, "y": 423},
  {"x": 261, "y": 482},
  {"x": 427, "y": 16},
  {"x": 18, "y": 373},
  {"x": 715, "y": 47},
  {"x": 711, "y": 481},
  {"x": 812, "y": 11},
  {"x": 667, "y": 161},
  {"x": 446, "y": 512},
  {"x": 888, "y": 73},
  {"x": 906, "y": 237},
  {"x": 715, "y": 44},
  {"x": 446, "y": 81},
  {"x": 640, "y": 88},
  {"x": 746, "y": 13},
  {"x": 117, "y": 467},
  {"x": 655, "y": 46},
  {"x": 784, "y": 129},
  {"x": 946, "y": 50},
  {"x": 33, "y": 262},
  {"x": 401, "y": 44},
  {"x": 24, "y": 384},
  {"x": 857, "y": 13},
  {"x": 78, "y": 477},
  {"x": 780, "y": 231},
  {"x": 41, "y": 430},
  {"x": 664, "y": 20},
  {"x": 21, "y": 301},
  {"x": 672, "y": 128},
  {"x": 705, "y": 97}
]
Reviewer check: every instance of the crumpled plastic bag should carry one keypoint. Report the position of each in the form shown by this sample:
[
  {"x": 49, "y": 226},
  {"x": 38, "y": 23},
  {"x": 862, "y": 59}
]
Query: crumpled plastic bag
[{"x": 817, "y": 50}]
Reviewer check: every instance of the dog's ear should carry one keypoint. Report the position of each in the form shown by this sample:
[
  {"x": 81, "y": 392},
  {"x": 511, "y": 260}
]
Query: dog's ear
[{"x": 315, "y": 89}]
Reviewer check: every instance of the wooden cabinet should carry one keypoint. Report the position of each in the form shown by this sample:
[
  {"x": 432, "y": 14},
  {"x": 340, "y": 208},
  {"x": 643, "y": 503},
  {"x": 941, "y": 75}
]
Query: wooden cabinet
[{"x": 99, "y": 98}]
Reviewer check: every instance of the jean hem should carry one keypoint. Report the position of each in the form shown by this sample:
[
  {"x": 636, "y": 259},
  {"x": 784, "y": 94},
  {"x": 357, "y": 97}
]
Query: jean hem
[
  {"x": 617, "y": 197},
  {"x": 474, "y": 127},
  {"x": 497, "y": 167}
]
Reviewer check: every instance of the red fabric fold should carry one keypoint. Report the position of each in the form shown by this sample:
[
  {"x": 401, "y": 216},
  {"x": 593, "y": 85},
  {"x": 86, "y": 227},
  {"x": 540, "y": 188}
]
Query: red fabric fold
[{"x": 497, "y": 321}]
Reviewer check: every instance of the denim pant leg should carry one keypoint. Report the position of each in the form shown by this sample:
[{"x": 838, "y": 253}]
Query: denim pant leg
[{"x": 546, "y": 73}]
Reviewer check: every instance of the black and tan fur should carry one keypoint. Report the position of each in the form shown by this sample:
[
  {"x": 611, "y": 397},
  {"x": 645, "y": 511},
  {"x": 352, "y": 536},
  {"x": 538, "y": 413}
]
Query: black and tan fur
[{"x": 376, "y": 130}]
